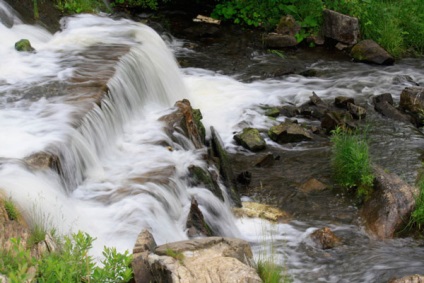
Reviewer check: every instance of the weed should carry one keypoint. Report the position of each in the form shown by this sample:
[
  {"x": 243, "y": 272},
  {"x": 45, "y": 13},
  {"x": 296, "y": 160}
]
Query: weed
[
  {"x": 417, "y": 216},
  {"x": 175, "y": 254},
  {"x": 351, "y": 162}
]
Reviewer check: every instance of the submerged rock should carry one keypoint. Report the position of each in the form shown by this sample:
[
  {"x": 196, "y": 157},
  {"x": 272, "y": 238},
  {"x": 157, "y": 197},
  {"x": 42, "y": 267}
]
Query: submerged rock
[
  {"x": 369, "y": 51},
  {"x": 251, "y": 139},
  {"x": 312, "y": 185},
  {"x": 390, "y": 205},
  {"x": 325, "y": 238},
  {"x": 24, "y": 45},
  {"x": 213, "y": 259}
]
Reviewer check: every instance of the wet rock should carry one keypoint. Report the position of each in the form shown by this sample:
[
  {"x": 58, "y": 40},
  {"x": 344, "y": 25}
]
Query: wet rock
[
  {"x": 225, "y": 169},
  {"x": 334, "y": 119},
  {"x": 357, "y": 112},
  {"x": 212, "y": 259},
  {"x": 325, "y": 238},
  {"x": 312, "y": 185},
  {"x": 315, "y": 108},
  {"x": 24, "y": 45},
  {"x": 251, "y": 139},
  {"x": 404, "y": 80},
  {"x": 389, "y": 206},
  {"x": 340, "y": 27},
  {"x": 383, "y": 104},
  {"x": 263, "y": 211},
  {"x": 43, "y": 160},
  {"x": 265, "y": 161},
  {"x": 202, "y": 30},
  {"x": 369, "y": 51},
  {"x": 409, "y": 279},
  {"x": 343, "y": 101},
  {"x": 289, "y": 132},
  {"x": 288, "y": 26},
  {"x": 272, "y": 112},
  {"x": 289, "y": 111},
  {"x": 309, "y": 73},
  {"x": 196, "y": 224},
  {"x": 275, "y": 40},
  {"x": 200, "y": 177},
  {"x": 412, "y": 102},
  {"x": 316, "y": 100},
  {"x": 244, "y": 178}
]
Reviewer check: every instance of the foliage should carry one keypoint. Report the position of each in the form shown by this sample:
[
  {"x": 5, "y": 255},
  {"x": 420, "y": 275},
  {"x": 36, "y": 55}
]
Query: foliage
[
  {"x": 79, "y": 6},
  {"x": 269, "y": 271},
  {"x": 351, "y": 161},
  {"x": 72, "y": 263},
  {"x": 417, "y": 216},
  {"x": 11, "y": 210},
  {"x": 267, "y": 13}
]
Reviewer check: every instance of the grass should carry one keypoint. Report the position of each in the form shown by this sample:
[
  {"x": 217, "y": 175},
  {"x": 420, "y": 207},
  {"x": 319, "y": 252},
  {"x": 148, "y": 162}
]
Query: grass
[
  {"x": 11, "y": 210},
  {"x": 417, "y": 216},
  {"x": 175, "y": 254},
  {"x": 351, "y": 162}
]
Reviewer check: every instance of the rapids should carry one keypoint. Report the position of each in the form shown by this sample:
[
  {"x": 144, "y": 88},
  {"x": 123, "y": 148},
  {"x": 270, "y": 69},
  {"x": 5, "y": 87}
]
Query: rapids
[{"x": 121, "y": 141}]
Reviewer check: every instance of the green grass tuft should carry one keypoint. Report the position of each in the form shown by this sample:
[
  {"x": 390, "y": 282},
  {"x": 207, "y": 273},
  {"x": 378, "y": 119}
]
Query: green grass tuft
[
  {"x": 177, "y": 255},
  {"x": 11, "y": 210},
  {"x": 351, "y": 162}
]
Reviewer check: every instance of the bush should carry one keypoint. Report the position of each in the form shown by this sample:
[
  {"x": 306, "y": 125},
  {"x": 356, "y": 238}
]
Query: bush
[
  {"x": 80, "y": 6},
  {"x": 72, "y": 263},
  {"x": 351, "y": 162}
]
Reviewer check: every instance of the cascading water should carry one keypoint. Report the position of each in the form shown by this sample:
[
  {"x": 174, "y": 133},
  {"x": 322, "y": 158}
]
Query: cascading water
[{"x": 118, "y": 176}]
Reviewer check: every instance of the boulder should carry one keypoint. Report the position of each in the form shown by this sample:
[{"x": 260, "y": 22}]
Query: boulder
[
  {"x": 44, "y": 160},
  {"x": 213, "y": 259},
  {"x": 225, "y": 169},
  {"x": 259, "y": 210},
  {"x": 334, "y": 119},
  {"x": 340, "y": 27},
  {"x": 251, "y": 139},
  {"x": 196, "y": 224},
  {"x": 343, "y": 101},
  {"x": 383, "y": 104},
  {"x": 325, "y": 238},
  {"x": 357, "y": 112},
  {"x": 369, "y": 51},
  {"x": 289, "y": 132},
  {"x": 288, "y": 26},
  {"x": 409, "y": 279},
  {"x": 289, "y": 111},
  {"x": 412, "y": 102},
  {"x": 202, "y": 177},
  {"x": 272, "y": 112},
  {"x": 24, "y": 45},
  {"x": 314, "y": 108},
  {"x": 389, "y": 206},
  {"x": 275, "y": 40}
]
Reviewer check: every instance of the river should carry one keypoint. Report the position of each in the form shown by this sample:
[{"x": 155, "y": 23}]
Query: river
[{"x": 120, "y": 142}]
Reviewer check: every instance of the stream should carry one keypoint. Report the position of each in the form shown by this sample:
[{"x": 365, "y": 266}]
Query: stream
[{"x": 119, "y": 179}]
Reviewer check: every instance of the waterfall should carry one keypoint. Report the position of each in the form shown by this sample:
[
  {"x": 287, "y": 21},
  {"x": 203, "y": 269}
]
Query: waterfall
[{"x": 117, "y": 177}]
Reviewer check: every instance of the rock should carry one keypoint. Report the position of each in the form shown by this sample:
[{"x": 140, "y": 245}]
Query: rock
[
  {"x": 340, "y": 27},
  {"x": 404, "y": 80},
  {"x": 412, "y": 102},
  {"x": 315, "y": 108},
  {"x": 225, "y": 169},
  {"x": 275, "y": 40},
  {"x": 288, "y": 26},
  {"x": 389, "y": 206},
  {"x": 43, "y": 160},
  {"x": 265, "y": 161},
  {"x": 3, "y": 279},
  {"x": 196, "y": 224},
  {"x": 212, "y": 259},
  {"x": 383, "y": 104},
  {"x": 201, "y": 177},
  {"x": 325, "y": 238},
  {"x": 343, "y": 101},
  {"x": 312, "y": 185},
  {"x": 24, "y": 45},
  {"x": 244, "y": 178},
  {"x": 357, "y": 112},
  {"x": 251, "y": 139},
  {"x": 316, "y": 100},
  {"x": 341, "y": 46},
  {"x": 272, "y": 112},
  {"x": 334, "y": 119},
  {"x": 259, "y": 210},
  {"x": 369, "y": 51},
  {"x": 289, "y": 111},
  {"x": 289, "y": 132},
  {"x": 409, "y": 279},
  {"x": 202, "y": 30}
]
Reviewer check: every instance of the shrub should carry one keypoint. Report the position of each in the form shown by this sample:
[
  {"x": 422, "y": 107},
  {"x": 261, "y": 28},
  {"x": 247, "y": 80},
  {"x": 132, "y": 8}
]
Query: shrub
[
  {"x": 351, "y": 162},
  {"x": 80, "y": 6}
]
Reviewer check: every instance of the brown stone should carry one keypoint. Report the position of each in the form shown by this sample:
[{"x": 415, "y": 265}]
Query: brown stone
[
  {"x": 259, "y": 210},
  {"x": 369, "y": 51},
  {"x": 275, "y": 40},
  {"x": 340, "y": 27},
  {"x": 325, "y": 238},
  {"x": 312, "y": 185}
]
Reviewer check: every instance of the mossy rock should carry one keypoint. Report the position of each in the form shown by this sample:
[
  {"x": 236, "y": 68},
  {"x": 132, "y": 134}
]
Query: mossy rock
[
  {"x": 251, "y": 139},
  {"x": 289, "y": 132},
  {"x": 272, "y": 112},
  {"x": 24, "y": 45}
]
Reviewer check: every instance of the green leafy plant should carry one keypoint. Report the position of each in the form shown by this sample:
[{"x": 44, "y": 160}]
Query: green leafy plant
[
  {"x": 15, "y": 261},
  {"x": 11, "y": 210},
  {"x": 79, "y": 6},
  {"x": 351, "y": 162}
]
